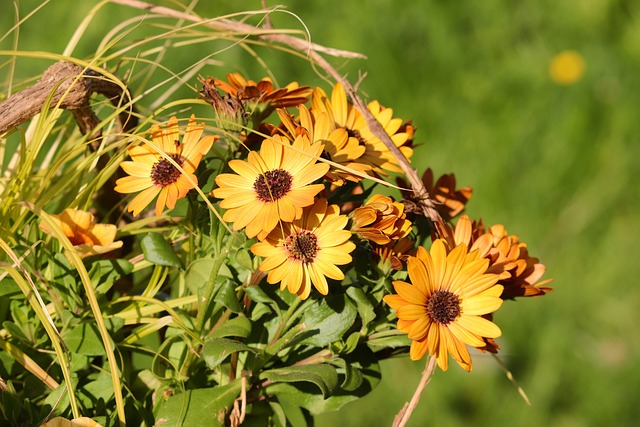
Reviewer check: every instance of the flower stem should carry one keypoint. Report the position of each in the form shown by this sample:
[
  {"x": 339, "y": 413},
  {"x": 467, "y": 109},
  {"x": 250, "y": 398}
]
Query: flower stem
[{"x": 405, "y": 413}]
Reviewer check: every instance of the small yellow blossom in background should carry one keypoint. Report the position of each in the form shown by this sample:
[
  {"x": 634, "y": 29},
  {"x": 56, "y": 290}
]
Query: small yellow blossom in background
[
  {"x": 152, "y": 174},
  {"x": 567, "y": 67},
  {"x": 87, "y": 237},
  {"x": 442, "y": 309},
  {"x": 273, "y": 185},
  {"x": 303, "y": 252}
]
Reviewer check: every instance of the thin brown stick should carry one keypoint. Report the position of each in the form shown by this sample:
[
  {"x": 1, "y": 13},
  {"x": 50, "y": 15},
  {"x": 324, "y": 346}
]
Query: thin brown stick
[
  {"x": 313, "y": 51},
  {"x": 238, "y": 27},
  {"x": 403, "y": 416}
]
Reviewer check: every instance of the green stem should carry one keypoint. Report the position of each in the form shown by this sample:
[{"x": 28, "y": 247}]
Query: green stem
[
  {"x": 285, "y": 320},
  {"x": 221, "y": 257}
]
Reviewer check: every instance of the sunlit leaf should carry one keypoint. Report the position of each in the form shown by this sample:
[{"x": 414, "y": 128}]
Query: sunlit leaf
[
  {"x": 217, "y": 349},
  {"x": 237, "y": 327},
  {"x": 228, "y": 297},
  {"x": 158, "y": 251},
  {"x": 199, "y": 407},
  {"x": 328, "y": 319},
  {"x": 364, "y": 305},
  {"x": 85, "y": 339}
]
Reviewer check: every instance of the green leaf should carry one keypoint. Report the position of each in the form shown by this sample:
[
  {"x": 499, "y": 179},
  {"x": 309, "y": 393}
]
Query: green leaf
[
  {"x": 198, "y": 274},
  {"x": 9, "y": 288},
  {"x": 323, "y": 376},
  {"x": 199, "y": 407},
  {"x": 217, "y": 349},
  {"x": 105, "y": 272},
  {"x": 307, "y": 396},
  {"x": 243, "y": 259},
  {"x": 85, "y": 339},
  {"x": 158, "y": 251},
  {"x": 237, "y": 327},
  {"x": 101, "y": 388},
  {"x": 351, "y": 343},
  {"x": 327, "y": 320},
  {"x": 400, "y": 340},
  {"x": 227, "y": 296},
  {"x": 295, "y": 416},
  {"x": 353, "y": 378},
  {"x": 365, "y": 306}
]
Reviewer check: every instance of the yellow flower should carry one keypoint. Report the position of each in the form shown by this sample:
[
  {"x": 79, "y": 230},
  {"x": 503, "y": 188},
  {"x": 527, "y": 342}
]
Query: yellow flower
[
  {"x": 87, "y": 237},
  {"x": 304, "y": 251},
  {"x": 567, "y": 67},
  {"x": 152, "y": 174},
  {"x": 442, "y": 309},
  {"x": 272, "y": 185},
  {"x": 339, "y": 148},
  {"x": 346, "y": 116},
  {"x": 380, "y": 220}
]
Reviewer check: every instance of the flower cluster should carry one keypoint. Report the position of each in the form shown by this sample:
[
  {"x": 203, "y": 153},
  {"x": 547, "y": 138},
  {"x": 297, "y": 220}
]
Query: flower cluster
[{"x": 297, "y": 188}]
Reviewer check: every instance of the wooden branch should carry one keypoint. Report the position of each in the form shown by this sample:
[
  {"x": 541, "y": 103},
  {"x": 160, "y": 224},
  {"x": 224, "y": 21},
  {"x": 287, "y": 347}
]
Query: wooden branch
[{"x": 72, "y": 87}]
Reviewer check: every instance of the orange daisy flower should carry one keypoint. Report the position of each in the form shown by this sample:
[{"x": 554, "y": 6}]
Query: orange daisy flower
[
  {"x": 442, "y": 309},
  {"x": 307, "y": 251},
  {"x": 87, "y": 237},
  {"x": 151, "y": 173},
  {"x": 272, "y": 185}
]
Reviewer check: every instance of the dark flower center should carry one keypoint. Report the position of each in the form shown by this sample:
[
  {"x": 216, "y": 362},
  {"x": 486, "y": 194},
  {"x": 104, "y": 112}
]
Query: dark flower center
[
  {"x": 273, "y": 185},
  {"x": 303, "y": 246},
  {"x": 443, "y": 307},
  {"x": 163, "y": 173},
  {"x": 355, "y": 134}
]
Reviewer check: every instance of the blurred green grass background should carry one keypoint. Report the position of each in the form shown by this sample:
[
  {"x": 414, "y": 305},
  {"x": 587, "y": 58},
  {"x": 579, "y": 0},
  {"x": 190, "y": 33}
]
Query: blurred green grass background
[{"x": 555, "y": 164}]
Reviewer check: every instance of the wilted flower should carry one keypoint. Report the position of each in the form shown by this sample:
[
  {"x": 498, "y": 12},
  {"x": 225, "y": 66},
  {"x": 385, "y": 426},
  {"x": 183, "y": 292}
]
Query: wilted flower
[
  {"x": 272, "y": 185},
  {"x": 261, "y": 98},
  {"x": 229, "y": 110},
  {"x": 448, "y": 201},
  {"x": 441, "y": 309},
  {"x": 380, "y": 220},
  {"x": 307, "y": 250},
  {"x": 154, "y": 175},
  {"x": 87, "y": 237}
]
